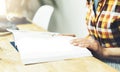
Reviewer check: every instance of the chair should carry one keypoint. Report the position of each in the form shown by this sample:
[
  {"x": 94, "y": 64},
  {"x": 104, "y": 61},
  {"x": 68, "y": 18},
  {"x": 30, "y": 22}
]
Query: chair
[{"x": 43, "y": 15}]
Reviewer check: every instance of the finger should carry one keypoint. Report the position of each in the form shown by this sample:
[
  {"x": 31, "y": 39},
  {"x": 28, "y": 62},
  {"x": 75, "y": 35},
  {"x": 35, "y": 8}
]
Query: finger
[
  {"x": 76, "y": 40},
  {"x": 75, "y": 44},
  {"x": 83, "y": 45},
  {"x": 73, "y": 35}
]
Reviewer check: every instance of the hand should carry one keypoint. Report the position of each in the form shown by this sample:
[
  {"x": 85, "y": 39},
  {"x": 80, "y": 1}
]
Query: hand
[
  {"x": 109, "y": 53},
  {"x": 87, "y": 43}
]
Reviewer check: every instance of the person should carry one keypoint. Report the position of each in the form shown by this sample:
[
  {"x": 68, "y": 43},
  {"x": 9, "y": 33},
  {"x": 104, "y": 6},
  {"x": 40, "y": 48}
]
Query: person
[{"x": 103, "y": 23}]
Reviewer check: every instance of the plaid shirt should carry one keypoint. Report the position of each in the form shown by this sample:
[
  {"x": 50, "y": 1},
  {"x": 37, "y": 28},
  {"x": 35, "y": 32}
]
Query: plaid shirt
[{"x": 104, "y": 23}]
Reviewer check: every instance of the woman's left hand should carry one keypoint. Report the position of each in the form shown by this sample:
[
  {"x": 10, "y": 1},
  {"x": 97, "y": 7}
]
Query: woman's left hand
[{"x": 87, "y": 43}]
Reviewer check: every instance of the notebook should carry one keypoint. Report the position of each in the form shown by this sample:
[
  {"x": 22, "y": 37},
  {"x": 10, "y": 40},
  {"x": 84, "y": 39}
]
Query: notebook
[{"x": 36, "y": 47}]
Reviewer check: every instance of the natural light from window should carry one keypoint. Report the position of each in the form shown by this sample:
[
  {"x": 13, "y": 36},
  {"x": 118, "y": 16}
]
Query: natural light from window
[{"x": 2, "y": 7}]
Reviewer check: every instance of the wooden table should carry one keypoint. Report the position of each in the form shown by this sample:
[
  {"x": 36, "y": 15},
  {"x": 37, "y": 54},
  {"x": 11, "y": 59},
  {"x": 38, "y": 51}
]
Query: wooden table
[{"x": 10, "y": 59}]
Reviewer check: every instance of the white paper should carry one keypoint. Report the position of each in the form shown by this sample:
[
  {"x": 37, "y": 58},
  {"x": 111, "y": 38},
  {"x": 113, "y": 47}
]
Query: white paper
[{"x": 35, "y": 47}]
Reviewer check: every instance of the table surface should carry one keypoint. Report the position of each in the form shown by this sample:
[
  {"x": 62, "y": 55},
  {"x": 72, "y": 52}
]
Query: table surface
[{"x": 10, "y": 59}]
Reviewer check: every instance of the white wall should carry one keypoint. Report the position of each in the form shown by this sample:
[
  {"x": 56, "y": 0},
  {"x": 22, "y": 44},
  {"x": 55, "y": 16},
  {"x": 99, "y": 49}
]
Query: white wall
[{"x": 69, "y": 17}]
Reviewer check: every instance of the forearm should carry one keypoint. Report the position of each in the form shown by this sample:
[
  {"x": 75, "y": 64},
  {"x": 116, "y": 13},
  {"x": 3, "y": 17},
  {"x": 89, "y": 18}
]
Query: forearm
[
  {"x": 110, "y": 53},
  {"x": 93, "y": 45},
  {"x": 106, "y": 52}
]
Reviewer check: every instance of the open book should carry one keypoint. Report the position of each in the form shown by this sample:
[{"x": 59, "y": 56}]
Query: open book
[{"x": 35, "y": 47}]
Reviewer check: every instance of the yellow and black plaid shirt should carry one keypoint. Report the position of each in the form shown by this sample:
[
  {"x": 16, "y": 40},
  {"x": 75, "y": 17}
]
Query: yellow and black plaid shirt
[{"x": 104, "y": 23}]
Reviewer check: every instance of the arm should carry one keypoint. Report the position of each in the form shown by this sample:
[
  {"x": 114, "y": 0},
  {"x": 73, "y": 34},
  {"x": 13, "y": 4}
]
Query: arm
[
  {"x": 111, "y": 53},
  {"x": 94, "y": 45}
]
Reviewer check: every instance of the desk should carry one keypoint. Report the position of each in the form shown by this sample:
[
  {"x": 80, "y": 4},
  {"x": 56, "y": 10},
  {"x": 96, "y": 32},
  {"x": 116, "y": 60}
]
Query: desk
[{"x": 10, "y": 59}]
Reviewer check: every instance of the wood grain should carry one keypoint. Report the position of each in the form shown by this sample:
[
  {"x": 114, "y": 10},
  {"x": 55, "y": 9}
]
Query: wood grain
[{"x": 10, "y": 59}]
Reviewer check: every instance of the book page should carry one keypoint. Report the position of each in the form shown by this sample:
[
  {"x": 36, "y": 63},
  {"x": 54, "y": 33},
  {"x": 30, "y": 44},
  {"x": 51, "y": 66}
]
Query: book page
[{"x": 40, "y": 48}]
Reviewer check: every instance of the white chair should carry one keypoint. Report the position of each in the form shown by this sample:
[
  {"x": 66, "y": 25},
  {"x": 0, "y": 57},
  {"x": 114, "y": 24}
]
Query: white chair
[{"x": 43, "y": 15}]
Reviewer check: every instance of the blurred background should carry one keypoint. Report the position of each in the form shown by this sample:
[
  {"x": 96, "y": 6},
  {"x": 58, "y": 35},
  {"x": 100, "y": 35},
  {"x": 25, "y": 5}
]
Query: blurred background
[{"x": 68, "y": 16}]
